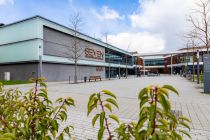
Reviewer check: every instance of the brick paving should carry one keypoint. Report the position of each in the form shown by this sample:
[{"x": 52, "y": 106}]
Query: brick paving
[{"x": 191, "y": 102}]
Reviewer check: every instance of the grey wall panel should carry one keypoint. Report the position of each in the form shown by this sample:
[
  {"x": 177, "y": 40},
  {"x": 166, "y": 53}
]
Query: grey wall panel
[
  {"x": 60, "y": 44},
  {"x": 61, "y": 72},
  {"x": 19, "y": 71}
]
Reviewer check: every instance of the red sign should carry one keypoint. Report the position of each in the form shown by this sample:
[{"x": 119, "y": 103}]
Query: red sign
[{"x": 95, "y": 54}]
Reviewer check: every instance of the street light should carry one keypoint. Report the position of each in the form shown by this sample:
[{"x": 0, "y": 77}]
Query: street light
[
  {"x": 198, "y": 68},
  {"x": 40, "y": 62}
]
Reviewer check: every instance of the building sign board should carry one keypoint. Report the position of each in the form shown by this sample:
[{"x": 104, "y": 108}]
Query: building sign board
[
  {"x": 95, "y": 54},
  {"x": 206, "y": 62}
]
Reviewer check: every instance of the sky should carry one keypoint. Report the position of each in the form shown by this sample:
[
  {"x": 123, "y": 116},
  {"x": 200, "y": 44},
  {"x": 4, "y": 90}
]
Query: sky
[{"x": 134, "y": 25}]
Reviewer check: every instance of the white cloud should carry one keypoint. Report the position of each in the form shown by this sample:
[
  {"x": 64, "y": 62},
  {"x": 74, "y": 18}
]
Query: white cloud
[
  {"x": 4, "y": 2},
  {"x": 107, "y": 13},
  {"x": 165, "y": 17},
  {"x": 142, "y": 42}
]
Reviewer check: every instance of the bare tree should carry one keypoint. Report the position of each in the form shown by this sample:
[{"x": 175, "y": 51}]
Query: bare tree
[
  {"x": 75, "y": 51},
  {"x": 201, "y": 22},
  {"x": 192, "y": 43}
]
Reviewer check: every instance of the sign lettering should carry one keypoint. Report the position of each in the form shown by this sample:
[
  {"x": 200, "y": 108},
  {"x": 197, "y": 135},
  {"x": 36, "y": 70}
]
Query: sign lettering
[
  {"x": 99, "y": 68},
  {"x": 95, "y": 54}
]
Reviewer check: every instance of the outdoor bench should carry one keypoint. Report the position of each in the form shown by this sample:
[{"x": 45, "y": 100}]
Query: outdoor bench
[{"x": 94, "y": 78}]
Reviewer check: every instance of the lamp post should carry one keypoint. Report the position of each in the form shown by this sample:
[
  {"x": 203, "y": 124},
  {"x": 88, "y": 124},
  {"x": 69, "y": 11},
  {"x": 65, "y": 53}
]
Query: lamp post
[
  {"x": 198, "y": 68},
  {"x": 119, "y": 71},
  {"x": 40, "y": 62}
]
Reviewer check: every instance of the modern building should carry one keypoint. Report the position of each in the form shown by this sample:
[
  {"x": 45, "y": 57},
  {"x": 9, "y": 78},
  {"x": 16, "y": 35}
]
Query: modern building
[
  {"x": 178, "y": 62},
  {"x": 37, "y": 46}
]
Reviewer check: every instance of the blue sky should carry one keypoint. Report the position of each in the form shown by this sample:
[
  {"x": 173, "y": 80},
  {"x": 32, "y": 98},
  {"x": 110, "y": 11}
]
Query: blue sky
[{"x": 145, "y": 26}]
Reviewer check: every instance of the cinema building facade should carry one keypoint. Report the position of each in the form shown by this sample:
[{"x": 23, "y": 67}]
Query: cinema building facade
[{"x": 40, "y": 47}]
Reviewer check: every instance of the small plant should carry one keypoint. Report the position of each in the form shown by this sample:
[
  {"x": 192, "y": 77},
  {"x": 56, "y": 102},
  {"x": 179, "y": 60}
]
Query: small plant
[
  {"x": 156, "y": 121},
  {"x": 126, "y": 131},
  {"x": 103, "y": 100},
  {"x": 32, "y": 115}
]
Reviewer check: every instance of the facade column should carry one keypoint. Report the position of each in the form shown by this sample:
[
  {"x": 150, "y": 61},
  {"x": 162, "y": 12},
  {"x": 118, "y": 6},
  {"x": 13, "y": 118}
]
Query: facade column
[
  {"x": 144, "y": 66},
  {"x": 171, "y": 64}
]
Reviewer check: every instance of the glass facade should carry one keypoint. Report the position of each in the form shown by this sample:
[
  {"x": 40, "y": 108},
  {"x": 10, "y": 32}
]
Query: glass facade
[
  {"x": 154, "y": 62},
  {"x": 118, "y": 58},
  {"x": 114, "y": 57}
]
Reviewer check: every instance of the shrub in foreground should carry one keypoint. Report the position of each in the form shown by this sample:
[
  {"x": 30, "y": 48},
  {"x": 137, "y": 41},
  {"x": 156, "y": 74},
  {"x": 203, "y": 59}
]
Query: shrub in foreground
[
  {"x": 33, "y": 116},
  {"x": 156, "y": 120}
]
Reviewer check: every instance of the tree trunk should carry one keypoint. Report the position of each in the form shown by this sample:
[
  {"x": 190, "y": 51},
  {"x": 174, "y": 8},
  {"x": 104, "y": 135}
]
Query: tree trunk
[{"x": 75, "y": 72}]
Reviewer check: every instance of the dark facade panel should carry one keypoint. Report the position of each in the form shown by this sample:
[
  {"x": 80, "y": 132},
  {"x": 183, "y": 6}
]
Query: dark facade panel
[
  {"x": 19, "y": 71},
  {"x": 59, "y": 44},
  {"x": 61, "y": 72}
]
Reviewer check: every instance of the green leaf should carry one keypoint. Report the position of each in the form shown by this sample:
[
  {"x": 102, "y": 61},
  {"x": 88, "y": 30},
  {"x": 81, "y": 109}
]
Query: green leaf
[
  {"x": 112, "y": 101},
  {"x": 55, "y": 109},
  {"x": 108, "y": 106},
  {"x": 43, "y": 84},
  {"x": 152, "y": 111},
  {"x": 171, "y": 88},
  {"x": 55, "y": 125},
  {"x": 67, "y": 131},
  {"x": 142, "y": 120},
  {"x": 143, "y": 101},
  {"x": 178, "y": 136},
  {"x": 42, "y": 95},
  {"x": 102, "y": 117},
  {"x": 95, "y": 119},
  {"x": 164, "y": 122},
  {"x": 165, "y": 103},
  {"x": 184, "y": 118},
  {"x": 90, "y": 108},
  {"x": 91, "y": 99},
  {"x": 185, "y": 132},
  {"x": 163, "y": 91},
  {"x": 143, "y": 92},
  {"x": 9, "y": 135},
  {"x": 59, "y": 100},
  {"x": 171, "y": 116},
  {"x": 107, "y": 92},
  {"x": 100, "y": 133},
  {"x": 142, "y": 135},
  {"x": 44, "y": 90},
  {"x": 53, "y": 132},
  {"x": 114, "y": 118},
  {"x": 69, "y": 99},
  {"x": 64, "y": 115},
  {"x": 47, "y": 138},
  {"x": 185, "y": 125},
  {"x": 64, "y": 108}
]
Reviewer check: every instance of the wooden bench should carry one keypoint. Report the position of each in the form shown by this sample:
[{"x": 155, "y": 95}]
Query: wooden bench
[{"x": 94, "y": 78}]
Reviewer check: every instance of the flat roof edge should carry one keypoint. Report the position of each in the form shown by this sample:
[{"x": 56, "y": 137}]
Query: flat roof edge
[{"x": 38, "y": 16}]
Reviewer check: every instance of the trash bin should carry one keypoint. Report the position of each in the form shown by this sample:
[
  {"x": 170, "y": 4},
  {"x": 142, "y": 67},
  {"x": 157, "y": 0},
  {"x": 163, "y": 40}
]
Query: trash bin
[
  {"x": 6, "y": 76},
  {"x": 85, "y": 79}
]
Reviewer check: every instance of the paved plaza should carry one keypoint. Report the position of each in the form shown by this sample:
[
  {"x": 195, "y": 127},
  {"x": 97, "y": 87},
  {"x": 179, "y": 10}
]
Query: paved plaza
[{"x": 192, "y": 103}]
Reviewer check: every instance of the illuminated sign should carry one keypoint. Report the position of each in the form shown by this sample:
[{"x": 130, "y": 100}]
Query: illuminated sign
[{"x": 95, "y": 54}]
